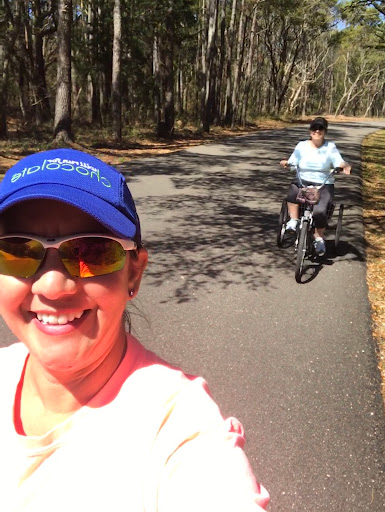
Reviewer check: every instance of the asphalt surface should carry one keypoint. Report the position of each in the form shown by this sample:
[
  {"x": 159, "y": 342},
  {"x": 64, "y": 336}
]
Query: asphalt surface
[{"x": 295, "y": 363}]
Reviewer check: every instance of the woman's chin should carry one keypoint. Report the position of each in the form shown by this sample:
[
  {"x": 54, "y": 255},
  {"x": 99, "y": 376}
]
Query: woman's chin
[{"x": 58, "y": 356}]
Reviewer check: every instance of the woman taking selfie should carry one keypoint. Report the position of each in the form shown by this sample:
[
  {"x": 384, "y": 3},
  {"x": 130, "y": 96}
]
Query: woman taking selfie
[{"x": 91, "y": 420}]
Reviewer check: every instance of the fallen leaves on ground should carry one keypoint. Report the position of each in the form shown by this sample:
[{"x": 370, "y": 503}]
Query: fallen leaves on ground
[{"x": 373, "y": 152}]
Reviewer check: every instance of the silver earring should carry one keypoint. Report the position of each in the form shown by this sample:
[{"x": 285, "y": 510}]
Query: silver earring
[{"x": 131, "y": 293}]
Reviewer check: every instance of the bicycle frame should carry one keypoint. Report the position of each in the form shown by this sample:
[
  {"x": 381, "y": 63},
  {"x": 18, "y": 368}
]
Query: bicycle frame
[
  {"x": 307, "y": 216},
  {"x": 303, "y": 241}
]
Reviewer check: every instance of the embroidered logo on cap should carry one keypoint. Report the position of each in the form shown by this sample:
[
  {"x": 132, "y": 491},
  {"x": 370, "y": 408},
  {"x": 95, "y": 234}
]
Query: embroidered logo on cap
[{"x": 84, "y": 169}]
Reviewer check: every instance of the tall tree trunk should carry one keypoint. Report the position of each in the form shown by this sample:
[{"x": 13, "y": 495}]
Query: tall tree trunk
[
  {"x": 218, "y": 119},
  {"x": 208, "y": 62},
  {"x": 238, "y": 65},
  {"x": 42, "y": 109},
  {"x": 23, "y": 91},
  {"x": 166, "y": 120},
  {"x": 228, "y": 107},
  {"x": 62, "y": 127},
  {"x": 95, "y": 78},
  {"x": 202, "y": 57},
  {"x": 249, "y": 67},
  {"x": 157, "y": 84},
  {"x": 169, "y": 101},
  {"x": 305, "y": 99},
  {"x": 116, "y": 86},
  {"x": 3, "y": 91}
]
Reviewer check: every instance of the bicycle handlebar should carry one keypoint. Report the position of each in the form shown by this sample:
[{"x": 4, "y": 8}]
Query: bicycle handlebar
[
  {"x": 293, "y": 167},
  {"x": 336, "y": 170}
]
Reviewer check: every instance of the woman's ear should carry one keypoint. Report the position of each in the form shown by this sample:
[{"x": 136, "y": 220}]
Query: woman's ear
[{"x": 137, "y": 265}]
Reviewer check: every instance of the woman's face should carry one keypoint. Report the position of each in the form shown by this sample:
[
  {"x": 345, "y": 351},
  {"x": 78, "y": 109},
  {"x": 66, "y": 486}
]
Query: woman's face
[
  {"x": 317, "y": 134},
  {"x": 68, "y": 324}
]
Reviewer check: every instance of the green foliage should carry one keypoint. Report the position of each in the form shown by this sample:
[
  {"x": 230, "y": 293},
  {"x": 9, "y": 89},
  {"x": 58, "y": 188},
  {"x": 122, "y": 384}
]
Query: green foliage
[
  {"x": 370, "y": 17},
  {"x": 306, "y": 55}
]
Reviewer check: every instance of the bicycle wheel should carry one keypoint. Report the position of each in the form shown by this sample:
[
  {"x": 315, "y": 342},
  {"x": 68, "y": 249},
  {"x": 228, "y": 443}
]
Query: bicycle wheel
[
  {"x": 330, "y": 211},
  {"x": 283, "y": 218},
  {"x": 339, "y": 226},
  {"x": 302, "y": 250}
]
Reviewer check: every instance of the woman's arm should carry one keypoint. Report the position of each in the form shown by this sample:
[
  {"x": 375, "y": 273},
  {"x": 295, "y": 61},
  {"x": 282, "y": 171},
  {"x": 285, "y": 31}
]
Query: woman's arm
[
  {"x": 198, "y": 459},
  {"x": 208, "y": 473},
  {"x": 294, "y": 157},
  {"x": 338, "y": 161}
]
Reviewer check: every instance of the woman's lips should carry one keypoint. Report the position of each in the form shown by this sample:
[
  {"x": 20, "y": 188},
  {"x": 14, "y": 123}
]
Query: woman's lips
[{"x": 58, "y": 324}]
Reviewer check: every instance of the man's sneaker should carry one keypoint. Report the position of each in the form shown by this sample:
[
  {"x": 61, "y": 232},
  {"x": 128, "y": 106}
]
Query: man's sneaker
[
  {"x": 319, "y": 246},
  {"x": 291, "y": 225}
]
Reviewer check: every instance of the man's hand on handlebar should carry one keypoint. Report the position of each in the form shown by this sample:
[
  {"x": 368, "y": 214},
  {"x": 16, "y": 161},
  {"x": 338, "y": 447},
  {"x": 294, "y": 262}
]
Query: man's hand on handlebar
[{"x": 283, "y": 163}]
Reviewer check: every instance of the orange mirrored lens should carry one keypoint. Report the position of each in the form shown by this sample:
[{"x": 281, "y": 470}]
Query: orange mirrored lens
[
  {"x": 20, "y": 257},
  {"x": 88, "y": 257}
]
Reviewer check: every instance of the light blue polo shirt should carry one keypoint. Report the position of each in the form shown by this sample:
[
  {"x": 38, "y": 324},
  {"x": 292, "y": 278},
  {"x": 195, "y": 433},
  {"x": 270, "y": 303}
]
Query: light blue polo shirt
[{"x": 316, "y": 163}]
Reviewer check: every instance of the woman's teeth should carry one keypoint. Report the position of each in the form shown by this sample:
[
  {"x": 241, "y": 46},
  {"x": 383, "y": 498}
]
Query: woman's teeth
[{"x": 58, "y": 319}]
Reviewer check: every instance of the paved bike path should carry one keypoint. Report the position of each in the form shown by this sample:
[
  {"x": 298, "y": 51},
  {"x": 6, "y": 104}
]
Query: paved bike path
[{"x": 294, "y": 362}]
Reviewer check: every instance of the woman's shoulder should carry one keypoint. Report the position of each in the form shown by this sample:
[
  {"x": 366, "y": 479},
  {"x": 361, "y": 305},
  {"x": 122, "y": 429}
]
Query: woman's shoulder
[
  {"x": 171, "y": 381},
  {"x": 12, "y": 359},
  {"x": 150, "y": 365},
  {"x": 13, "y": 353},
  {"x": 329, "y": 144},
  {"x": 303, "y": 146}
]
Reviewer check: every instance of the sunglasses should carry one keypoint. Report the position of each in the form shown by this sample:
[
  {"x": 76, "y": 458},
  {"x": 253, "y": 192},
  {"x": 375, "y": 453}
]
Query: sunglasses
[
  {"x": 85, "y": 255},
  {"x": 317, "y": 127}
]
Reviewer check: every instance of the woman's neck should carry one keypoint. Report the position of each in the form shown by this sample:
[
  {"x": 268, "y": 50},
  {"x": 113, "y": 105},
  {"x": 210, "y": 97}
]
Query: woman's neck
[
  {"x": 48, "y": 400},
  {"x": 317, "y": 143}
]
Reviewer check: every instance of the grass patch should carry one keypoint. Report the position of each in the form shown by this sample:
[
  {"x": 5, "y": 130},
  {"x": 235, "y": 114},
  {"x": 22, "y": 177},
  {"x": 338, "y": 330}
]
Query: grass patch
[{"x": 373, "y": 162}]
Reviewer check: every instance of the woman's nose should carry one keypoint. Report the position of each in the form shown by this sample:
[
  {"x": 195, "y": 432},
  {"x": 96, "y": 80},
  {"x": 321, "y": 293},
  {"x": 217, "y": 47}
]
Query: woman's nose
[{"x": 52, "y": 279}]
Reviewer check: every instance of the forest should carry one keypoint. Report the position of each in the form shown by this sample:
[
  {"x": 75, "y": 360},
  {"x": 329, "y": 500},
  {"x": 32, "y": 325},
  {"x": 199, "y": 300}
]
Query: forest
[{"x": 119, "y": 64}]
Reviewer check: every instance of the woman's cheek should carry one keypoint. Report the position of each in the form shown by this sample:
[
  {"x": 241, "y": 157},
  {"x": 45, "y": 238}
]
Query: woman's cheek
[
  {"x": 12, "y": 293},
  {"x": 109, "y": 292}
]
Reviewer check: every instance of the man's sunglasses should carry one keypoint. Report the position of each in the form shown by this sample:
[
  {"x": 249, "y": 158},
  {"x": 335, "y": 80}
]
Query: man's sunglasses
[{"x": 84, "y": 255}]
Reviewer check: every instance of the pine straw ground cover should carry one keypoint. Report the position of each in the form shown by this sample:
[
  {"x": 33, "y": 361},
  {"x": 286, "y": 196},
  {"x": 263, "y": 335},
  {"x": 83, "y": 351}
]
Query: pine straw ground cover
[
  {"x": 373, "y": 167},
  {"x": 136, "y": 143}
]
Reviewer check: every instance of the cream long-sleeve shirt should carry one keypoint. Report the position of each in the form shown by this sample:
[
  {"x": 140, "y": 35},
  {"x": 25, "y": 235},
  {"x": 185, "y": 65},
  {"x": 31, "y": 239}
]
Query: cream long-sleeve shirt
[{"x": 152, "y": 440}]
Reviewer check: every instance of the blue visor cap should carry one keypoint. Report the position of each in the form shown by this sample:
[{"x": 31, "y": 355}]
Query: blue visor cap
[{"x": 78, "y": 179}]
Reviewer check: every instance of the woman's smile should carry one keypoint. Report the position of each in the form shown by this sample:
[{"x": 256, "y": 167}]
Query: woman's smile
[
  {"x": 59, "y": 324},
  {"x": 58, "y": 319}
]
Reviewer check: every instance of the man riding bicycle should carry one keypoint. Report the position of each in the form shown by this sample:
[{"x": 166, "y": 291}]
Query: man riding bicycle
[{"x": 314, "y": 158}]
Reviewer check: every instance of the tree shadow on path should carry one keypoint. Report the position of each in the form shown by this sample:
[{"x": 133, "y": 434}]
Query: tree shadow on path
[{"x": 210, "y": 213}]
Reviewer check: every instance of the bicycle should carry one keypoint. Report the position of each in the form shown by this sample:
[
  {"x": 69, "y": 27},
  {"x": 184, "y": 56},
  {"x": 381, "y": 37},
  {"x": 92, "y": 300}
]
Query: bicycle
[{"x": 307, "y": 197}]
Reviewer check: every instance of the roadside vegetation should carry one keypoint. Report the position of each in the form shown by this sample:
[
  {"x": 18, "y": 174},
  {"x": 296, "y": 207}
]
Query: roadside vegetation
[
  {"x": 135, "y": 143},
  {"x": 208, "y": 63},
  {"x": 373, "y": 160}
]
